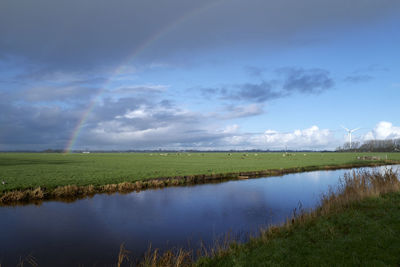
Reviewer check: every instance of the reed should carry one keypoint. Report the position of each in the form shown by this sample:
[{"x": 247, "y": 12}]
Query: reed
[
  {"x": 356, "y": 186},
  {"x": 153, "y": 258},
  {"x": 29, "y": 260},
  {"x": 122, "y": 255},
  {"x": 174, "y": 257}
]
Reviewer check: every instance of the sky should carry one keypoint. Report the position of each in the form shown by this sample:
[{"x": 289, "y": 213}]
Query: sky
[{"x": 207, "y": 75}]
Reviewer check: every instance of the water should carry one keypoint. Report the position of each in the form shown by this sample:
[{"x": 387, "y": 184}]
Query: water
[{"x": 90, "y": 231}]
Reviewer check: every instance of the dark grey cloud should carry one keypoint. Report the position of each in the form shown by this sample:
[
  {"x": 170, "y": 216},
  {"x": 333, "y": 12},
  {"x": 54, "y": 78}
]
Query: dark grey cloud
[
  {"x": 306, "y": 80},
  {"x": 100, "y": 33},
  {"x": 42, "y": 116},
  {"x": 77, "y": 35},
  {"x": 36, "y": 127},
  {"x": 289, "y": 80},
  {"x": 248, "y": 92},
  {"x": 49, "y": 116},
  {"x": 260, "y": 92}
]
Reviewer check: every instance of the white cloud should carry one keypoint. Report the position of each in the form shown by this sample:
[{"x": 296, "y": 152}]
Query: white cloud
[
  {"x": 310, "y": 138},
  {"x": 383, "y": 130},
  {"x": 118, "y": 133},
  {"x": 132, "y": 114}
]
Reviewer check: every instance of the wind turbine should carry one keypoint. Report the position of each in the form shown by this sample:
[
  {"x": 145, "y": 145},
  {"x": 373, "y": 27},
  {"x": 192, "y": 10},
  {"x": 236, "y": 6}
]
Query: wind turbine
[{"x": 350, "y": 131}]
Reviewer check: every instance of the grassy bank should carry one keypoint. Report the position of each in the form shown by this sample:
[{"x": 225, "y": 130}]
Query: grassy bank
[
  {"x": 35, "y": 176},
  {"x": 365, "y": 233},
  {"x": 357, "y": 225}
]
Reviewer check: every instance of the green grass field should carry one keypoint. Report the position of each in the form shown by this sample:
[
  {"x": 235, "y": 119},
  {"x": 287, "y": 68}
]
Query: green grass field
[
  {"x": 30, "y": 170},
  {"x": 365, "y": 233}
]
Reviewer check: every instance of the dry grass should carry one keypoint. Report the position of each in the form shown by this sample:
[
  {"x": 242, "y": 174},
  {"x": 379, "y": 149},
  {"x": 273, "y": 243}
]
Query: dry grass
[
  {"x": 153, "y": 258},
  {"x": 179, "y": 257},
  {"x": 26, "y": 195},
  {"x": 173, "y": 257},
  {"x": 126, "y": 186},
  {"x": 356, "y": 186},
  {"x": 66, "y": 191},
  {"x": 27, "y": 261},
  {"x": 123, "y": 254}
]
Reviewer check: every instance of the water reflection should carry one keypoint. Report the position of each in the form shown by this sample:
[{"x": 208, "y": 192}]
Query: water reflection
[{"x": 90, "y": 230}]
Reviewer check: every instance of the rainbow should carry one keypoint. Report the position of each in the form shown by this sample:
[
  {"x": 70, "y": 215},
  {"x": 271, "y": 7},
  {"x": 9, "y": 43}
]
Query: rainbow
[{"x": 145, "y": 45}]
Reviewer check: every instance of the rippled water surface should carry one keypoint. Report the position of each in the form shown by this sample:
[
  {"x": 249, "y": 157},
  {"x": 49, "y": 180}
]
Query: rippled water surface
[{"x": 90, "y": 231}]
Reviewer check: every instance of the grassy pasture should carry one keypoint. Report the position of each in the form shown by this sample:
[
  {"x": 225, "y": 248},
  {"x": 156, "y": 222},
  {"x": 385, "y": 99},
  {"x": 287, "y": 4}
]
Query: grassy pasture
[{"x": 30, "y": 170}]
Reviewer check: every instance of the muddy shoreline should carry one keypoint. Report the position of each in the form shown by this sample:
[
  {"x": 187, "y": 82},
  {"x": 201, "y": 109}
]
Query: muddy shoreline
[{"x": 70, "y": 193}]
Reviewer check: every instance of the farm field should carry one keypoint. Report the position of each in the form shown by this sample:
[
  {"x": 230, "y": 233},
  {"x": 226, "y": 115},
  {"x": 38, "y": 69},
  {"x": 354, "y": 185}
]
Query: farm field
[{"x": 29, "y": 170}]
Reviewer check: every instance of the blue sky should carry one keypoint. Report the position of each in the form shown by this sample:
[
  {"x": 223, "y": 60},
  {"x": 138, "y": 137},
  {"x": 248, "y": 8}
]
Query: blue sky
[{"x": 208, "y": 75}]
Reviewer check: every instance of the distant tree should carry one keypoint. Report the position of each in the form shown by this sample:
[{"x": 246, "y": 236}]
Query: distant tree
[{"x": 390, "y": 145}]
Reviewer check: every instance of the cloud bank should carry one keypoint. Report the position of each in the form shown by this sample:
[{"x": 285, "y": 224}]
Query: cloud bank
[{"x": 309, "y": 138}]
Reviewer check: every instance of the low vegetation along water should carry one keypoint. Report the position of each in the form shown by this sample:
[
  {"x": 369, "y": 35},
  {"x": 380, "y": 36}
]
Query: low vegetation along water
[{"x": 91, "y": 230}]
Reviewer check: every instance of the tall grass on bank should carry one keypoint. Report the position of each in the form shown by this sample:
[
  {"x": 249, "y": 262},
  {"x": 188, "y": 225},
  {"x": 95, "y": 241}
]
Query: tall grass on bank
[
  {"x": 353, "y": 188},
  {"x": 179, "y": 257},
  {"x": 356, "y": 186}
]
